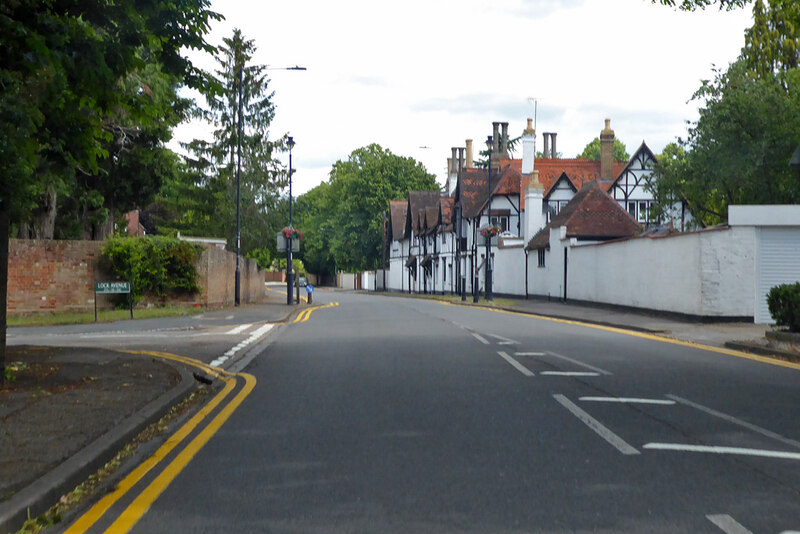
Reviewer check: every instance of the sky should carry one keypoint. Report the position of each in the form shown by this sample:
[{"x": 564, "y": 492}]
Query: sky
[{"x": 421, "y": 76}]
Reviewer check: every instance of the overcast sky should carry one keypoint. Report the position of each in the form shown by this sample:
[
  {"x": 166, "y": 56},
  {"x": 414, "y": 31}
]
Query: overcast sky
[{"x": 420, "y": 76}]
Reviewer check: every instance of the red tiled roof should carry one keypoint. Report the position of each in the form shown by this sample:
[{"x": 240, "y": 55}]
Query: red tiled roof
[
  {"x": 591, "y": 214},
  {"x": 473, "y": 189},
  {"x": 446, "y": 207},
  {"x": 579, "y": 171}
]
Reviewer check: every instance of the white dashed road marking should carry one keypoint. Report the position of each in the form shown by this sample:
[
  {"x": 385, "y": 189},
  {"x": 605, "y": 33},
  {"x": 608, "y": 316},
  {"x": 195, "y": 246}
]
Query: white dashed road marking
[
  {"x": 620, "y": 444},
  {"x": 736, "y": 421},
  {"x": 238, "y": 329},
  {"x": 515, "y": 364},
  {"x": 627, "y": 400},
  {"x": 253, "y": 337},
  {"x": 685, "y": 447},
  {"x": 727, "y": 524}
]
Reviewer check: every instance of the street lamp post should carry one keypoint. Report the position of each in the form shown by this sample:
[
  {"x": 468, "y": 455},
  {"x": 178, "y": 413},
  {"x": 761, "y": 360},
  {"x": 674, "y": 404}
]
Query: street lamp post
[
  {"x": 488, "y": 283},
  {"x": 238, "y": 280},
  {"x": 289, "y": 269}
]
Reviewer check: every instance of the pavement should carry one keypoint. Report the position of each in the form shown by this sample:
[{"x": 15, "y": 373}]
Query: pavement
[{"x": 71, "y": 409}]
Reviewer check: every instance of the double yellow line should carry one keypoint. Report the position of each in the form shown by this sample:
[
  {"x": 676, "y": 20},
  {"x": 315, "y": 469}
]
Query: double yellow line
[
  {"x": 304, "y": 315},
  {"x": 128, "y": 518}
]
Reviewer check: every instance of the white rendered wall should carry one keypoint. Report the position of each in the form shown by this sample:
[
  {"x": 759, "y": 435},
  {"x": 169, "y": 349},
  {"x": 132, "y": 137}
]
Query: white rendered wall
[
  {"x": 509, "y": 270},
  {"x": 700, "y": 273}
]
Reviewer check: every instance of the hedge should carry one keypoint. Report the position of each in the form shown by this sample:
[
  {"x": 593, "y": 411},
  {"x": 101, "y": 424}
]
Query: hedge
[
  {"x": 784, "y": 305},
  {"x": 154, "y": 265}
]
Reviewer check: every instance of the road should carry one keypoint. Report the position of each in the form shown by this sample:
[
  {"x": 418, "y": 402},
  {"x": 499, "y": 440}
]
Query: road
[{"x": 388, "y": 414}]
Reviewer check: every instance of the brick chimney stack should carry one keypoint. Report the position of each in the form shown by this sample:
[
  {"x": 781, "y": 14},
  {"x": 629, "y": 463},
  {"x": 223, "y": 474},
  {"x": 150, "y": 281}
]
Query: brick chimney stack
[
  {"x": 468, "y": 164},
  {"x": 607, "y": 152}
]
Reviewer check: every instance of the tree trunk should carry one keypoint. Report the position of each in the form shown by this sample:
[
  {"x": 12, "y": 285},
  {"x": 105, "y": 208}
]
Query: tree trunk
[
  {"x": 4, "y": 224},
  {"x": 43, "y": 223}
]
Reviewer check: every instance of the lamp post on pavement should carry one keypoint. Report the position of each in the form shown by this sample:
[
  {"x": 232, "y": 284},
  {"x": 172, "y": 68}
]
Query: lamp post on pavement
[
  {"x": 289, "y": 269},
  {"x": 489, "y": 297},
  {"x": 238, "y": 280}
]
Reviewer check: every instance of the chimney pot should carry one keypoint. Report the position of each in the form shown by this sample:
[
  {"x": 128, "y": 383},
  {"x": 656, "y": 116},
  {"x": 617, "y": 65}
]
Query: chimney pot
[
  {"x": 553, "y": 147},
  {"x": 469, "y": 153}
]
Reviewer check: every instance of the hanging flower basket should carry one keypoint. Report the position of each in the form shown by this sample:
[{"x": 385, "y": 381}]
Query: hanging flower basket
[
  {"x": 292, "y": 233},
  {"x": 490, "y": 231}
]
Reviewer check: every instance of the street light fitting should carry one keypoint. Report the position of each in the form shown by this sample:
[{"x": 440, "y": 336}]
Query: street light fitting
[
  {"x": 290, "y": 142},
  {"x": 489, "y": 142}
]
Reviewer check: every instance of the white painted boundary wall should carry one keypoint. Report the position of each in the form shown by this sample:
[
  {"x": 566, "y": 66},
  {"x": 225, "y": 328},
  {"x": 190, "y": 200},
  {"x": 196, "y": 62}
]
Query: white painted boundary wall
[
  {"x": 509, "y": 269},
  {"x": 347, "y": 280},
  {"x": 707, "y": 273}
]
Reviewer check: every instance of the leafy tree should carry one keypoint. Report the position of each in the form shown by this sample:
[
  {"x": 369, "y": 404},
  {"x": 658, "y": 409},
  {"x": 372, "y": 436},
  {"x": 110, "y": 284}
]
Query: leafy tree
[
  {"x": 739, "y": 149},
  {"x": 772, "y": 44},
  {"x": 211, "y": 167},
  {"x": 60, "y": 66},
  {"x": 312, "y": 212},
  {"x": 592, "y": 151},
  {"x": 691, "y": 5},
  {"x": 346, "y": 214}
]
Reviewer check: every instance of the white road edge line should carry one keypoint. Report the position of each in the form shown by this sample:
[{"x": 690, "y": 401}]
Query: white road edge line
[
  {"x": 529, "y": 354},
  {"x": 580, "y": 363},
  {"x": 238, "y": 329},
  {"x": 685, "y": 447},
  {"x": 569, "y": 373},
  {"x": 515, "y": 364},
  {"x": 627, "y": 400},
  {"x": 618, "y": 443},
  {"x": 480, "y": 338},
  {"x": 727, "y": 524},
  {"x": 734, "y": 420}
]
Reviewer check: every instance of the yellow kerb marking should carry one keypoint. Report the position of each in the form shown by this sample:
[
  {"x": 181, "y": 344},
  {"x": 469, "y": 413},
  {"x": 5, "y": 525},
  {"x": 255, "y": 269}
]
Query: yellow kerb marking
[
  {"x": 643, "y": 335},
  {"x": 103, "y": 505}
]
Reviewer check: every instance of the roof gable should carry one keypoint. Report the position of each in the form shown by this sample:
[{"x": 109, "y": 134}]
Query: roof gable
[
  {"x": 418, "y": 202},
  {"x": 591, "y": 214},
  {"x": 397, "y": 219}
]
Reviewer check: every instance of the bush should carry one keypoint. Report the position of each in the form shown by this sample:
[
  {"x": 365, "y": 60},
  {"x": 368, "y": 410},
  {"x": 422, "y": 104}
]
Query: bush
[
  {"x": 154, "y": 265},
  {"x": 784, "y": 305}
]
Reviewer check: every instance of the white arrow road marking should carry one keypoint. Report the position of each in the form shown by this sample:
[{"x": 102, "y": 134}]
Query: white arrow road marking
[
  {"x": 620, "y": 444},
  {"x": 727, "y": 524},
  {"x": 515, "y": 364},
  {"x": 529, "y": 354}
]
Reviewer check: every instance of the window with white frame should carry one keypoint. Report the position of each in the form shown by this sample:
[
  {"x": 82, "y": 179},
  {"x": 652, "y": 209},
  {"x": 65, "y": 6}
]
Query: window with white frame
[
  {"x": 501, "y": 221},
  {"x": 554, "y": 207}
]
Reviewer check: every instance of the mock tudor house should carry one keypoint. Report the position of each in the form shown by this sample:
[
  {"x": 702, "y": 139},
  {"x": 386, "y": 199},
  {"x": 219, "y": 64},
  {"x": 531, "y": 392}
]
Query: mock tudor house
[{"x": 440, "y": 247}]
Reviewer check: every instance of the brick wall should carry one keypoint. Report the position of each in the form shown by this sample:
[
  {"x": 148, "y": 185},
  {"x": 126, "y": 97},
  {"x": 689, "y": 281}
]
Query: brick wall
[
  {"x": 46, "y": 276},
  {"x": 49, "y": 276}
]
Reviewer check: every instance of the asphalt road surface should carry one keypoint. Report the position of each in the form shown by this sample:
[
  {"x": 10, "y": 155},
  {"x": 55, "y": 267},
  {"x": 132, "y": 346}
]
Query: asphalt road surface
[{"x": 387, "y": 414}]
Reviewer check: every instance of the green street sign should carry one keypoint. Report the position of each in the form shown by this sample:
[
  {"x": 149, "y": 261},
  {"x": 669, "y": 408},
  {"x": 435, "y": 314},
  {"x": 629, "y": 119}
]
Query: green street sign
[{"x": 112, "y": 287}]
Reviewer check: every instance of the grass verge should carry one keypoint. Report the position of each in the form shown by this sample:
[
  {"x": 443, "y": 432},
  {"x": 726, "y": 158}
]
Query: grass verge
[{"x": 103, "y": 316}]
